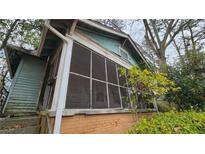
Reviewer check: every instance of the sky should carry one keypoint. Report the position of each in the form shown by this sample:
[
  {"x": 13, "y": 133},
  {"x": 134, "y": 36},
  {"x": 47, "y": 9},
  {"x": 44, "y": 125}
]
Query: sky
[{"x": 137, "y": 34}]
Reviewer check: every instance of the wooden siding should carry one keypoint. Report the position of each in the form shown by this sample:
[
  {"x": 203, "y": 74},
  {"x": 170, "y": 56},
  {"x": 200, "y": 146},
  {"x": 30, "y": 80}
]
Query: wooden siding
[
  {"x": 26, "y": 86},
  {"x": 110, "y": 44}
]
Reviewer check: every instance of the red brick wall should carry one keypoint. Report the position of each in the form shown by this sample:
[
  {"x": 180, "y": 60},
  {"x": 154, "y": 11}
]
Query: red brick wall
[{"x": 98, "y": 124}]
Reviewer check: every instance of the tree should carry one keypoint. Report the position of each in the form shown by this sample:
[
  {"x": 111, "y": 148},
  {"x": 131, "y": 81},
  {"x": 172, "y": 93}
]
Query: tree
[
  {"x": 191, "y": 36},
  {"x": 117, "y": 24},
  {"x": 159, "y": 34},
  {"x": 23, "y": 33},
  {"x": 189, "y": 74}
]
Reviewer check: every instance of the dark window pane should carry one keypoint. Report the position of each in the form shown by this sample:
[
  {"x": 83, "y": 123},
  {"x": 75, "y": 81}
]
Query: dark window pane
[
  {"x": 99, "y": 98},
  {"x": 78, "y": 95},
  {"x": 98, "y": 67},
  {"x": 125, "y": 97},
  {"x": 114, "y": 96},
  {"x": 122, "y": 79},
  {"x": 111, "y": 72},
  {"x": 80, "y": 62}
]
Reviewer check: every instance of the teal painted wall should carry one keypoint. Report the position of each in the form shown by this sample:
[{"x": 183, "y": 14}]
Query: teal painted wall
[
  {"x": 26, "y": 85},
  {"x": 110, "y": 44}
]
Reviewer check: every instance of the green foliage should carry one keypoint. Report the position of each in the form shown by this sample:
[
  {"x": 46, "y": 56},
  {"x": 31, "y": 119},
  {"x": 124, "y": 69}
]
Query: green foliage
[
  {"x": 189, "y": 75},
  {"x": 171, "y": 123},
  {"x": 146, "y": 83},
  {"x": 25, "y": 34},
  {"x": 164, "y": 106}
]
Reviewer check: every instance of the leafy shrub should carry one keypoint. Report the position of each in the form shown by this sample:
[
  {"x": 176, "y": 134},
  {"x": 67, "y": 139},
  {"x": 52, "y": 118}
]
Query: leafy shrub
[
  {"x": 146, "y": 85},
  {"x": 188, "y": 74},
  {"x": 164, "y": 106},
  {"x": 171, "y": 123}
]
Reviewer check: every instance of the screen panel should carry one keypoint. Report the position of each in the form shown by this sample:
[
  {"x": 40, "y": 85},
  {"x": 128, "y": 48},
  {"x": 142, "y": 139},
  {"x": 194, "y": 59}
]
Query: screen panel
[
  {"x": 98, "y": 67},
  {"x": 114, "y": 96},
  {"x": 111, "y": 72},
  {"x": 99, "y": 95},
  {"x": 78, "y": 95},
  {"x": 122, "y": 78},
  {"x": 125, "y": 97},
  {"x": 80, "y": 61}
]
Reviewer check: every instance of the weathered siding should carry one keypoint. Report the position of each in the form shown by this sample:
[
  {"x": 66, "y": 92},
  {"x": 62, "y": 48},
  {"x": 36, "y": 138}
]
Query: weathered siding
[
  {"x": 26, "y": 85},
  {"x": 99, "y": 124},
  {"x": 110, "y": 44}
]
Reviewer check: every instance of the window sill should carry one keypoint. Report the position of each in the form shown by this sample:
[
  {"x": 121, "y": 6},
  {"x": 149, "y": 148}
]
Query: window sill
[{"x": 72, "y": 112}]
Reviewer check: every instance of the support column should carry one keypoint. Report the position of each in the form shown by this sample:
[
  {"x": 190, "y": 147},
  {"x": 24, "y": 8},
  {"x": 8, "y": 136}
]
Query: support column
[{"x": 59, "y": 98}]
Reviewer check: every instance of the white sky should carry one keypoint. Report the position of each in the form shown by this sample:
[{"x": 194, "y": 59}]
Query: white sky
[{"x": 137, "y": 34}]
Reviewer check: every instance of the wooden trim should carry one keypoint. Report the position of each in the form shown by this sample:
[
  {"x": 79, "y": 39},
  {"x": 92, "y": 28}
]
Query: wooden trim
[
  {"x": 42, "y": 39},
  {"x": 59, "y": 98},
  {"x": 57, "y": 33},
  {"x": 82, "y": 39},
  {"x": 58, "y": 51},
  {"x": 43, "y": 82},
  {"x": 102, "y": 27},
  {"x": 72, "y": 29},
  {"x": 8, "y": 62},
  {"x": 72, "y": 112}
]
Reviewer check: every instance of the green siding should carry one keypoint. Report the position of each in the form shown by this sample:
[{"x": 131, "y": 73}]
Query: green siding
[
  {"x": 110, "y": 44},
  {"x": 26, "y": 86},
  {"x": 106, "y": 42}
]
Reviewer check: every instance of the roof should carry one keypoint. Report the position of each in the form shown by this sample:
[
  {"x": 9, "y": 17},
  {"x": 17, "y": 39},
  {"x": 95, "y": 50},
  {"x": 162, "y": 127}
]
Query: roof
[
  {"x": 13, "y": 56},
  {"x": 49, "y": 42},
  {"x": 61, "y": 25},
  {"x": 117, "y": 33}
]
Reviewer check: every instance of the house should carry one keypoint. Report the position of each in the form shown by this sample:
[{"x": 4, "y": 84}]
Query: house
[{"x": 72, "y": 81}]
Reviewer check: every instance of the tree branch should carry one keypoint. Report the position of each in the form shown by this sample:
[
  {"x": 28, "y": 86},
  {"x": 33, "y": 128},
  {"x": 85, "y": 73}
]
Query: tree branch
[
  {"x": 155, "y": 31},
  {"x": 176, "y": 32},
  {"x": 9, "y": 33},
  {"x": 150, "y": 33}
]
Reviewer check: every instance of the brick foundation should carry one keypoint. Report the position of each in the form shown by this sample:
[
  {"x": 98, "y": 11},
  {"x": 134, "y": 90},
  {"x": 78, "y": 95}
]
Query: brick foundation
[{"x": 99, "y": 124}]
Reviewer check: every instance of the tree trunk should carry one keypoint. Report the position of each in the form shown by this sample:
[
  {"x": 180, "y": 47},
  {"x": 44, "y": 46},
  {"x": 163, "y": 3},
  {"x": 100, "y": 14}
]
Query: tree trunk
[{"x": 162, "y": 64}]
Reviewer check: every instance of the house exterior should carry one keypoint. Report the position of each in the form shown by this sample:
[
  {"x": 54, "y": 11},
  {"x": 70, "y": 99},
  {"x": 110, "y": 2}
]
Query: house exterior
[{"x": 72, "y": 81}]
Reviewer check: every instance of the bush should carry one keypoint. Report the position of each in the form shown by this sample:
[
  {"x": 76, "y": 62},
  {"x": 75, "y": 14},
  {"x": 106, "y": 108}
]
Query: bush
[
  {"x": 171, "y": 123},
  {"x": 188, "y": 74},
  {"x": 164, "y": 106}
]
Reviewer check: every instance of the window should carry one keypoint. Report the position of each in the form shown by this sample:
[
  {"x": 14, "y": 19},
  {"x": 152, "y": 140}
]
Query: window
[
  {"x": 124, "y": 54},
  {"x": 122, "y": 78},
  {"x": 94, "y": 81},
  {"x": 114, "y": 96},
  {"x": 98, "y": 66},
  {"x": 78, "y": 95},
  {"x": 80, "y": 62},
  {"x": 125, "y": 97},
  {"x": 111, "y": 72},
  {"x": 99, "y": 95}
]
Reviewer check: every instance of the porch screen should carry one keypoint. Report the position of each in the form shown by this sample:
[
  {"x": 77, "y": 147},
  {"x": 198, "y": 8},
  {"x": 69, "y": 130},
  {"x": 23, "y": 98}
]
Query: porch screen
[{"x": 94, "y": 81}]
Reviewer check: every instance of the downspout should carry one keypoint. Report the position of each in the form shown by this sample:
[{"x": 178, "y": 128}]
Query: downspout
[{"x": 60, "y": 92}]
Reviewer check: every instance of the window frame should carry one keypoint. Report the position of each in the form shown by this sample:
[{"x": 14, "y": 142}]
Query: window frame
[{"x": 92, "y": 110}]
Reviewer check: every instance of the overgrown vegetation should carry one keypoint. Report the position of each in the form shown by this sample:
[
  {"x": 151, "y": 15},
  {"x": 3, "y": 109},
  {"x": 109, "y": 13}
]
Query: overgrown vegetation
[
  {"x": 22, "y": 33},
  {"x": 189, "y": 75},
  {"x": 171, "y": 123},
  {"x": 146, "y": 85}
]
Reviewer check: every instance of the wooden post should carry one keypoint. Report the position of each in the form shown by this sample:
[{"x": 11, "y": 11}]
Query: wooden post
[{"x": 59, "y": 98}]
